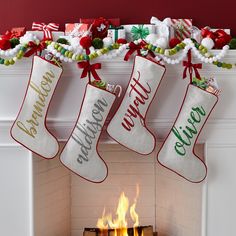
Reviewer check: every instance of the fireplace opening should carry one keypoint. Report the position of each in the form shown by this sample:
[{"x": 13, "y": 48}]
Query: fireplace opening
[{"x": 67, "y": 205}]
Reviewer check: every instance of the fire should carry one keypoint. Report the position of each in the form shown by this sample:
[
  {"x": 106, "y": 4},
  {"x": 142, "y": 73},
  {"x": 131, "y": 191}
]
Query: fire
[{"x": 119, "y": 224}]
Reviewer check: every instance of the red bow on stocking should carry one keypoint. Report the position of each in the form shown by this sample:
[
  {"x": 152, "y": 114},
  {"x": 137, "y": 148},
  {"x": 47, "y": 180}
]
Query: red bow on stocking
[
  {"x": 47, "y": 29},
  {"x": 34, "y": 48},
  {"x": 89, "y": 69},
  {"x": 132, "y": 48},
  {"x": 191, "y": 67}
]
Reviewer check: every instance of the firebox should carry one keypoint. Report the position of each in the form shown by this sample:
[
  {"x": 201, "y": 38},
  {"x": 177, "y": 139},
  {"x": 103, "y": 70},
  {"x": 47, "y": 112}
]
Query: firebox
[{"x": 66, "y": 204}]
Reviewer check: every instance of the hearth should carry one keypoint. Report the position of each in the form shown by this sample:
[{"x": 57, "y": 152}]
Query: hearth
[{"x": 141, "y": 231}]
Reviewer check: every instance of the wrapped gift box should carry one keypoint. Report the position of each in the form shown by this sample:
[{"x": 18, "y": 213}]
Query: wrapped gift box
[
  {"x": 196, "y": 33},
  {"x": 40, "y": 34},
  {"x": 137, "y": 31},
  {"x": 181, "y": 28},
  {"x": 116, "y": 33},
  {"x": 76, "y": 29},
  {"x": 112, "y": 21}
]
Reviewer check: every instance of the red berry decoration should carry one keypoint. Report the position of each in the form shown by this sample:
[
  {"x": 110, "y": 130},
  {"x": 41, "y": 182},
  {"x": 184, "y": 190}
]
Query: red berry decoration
[
  {"x": 173, "y": 42},
  {"x": 121, "y": 41},
  {"x": 5, "y": 44},
  {"x": 86, "y": 42}
]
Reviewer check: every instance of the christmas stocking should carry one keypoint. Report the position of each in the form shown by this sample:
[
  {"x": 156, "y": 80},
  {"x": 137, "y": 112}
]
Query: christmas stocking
[
  {"x": 177, "y": 152},
  {"x": 30, "y": 129},
  {"x": 80, "y": 152},
  {"x": 128, "y": 126}
]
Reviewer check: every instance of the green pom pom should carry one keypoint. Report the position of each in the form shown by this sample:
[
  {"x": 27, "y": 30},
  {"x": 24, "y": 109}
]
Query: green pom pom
[
  {"x": 14, "y": 42},
  {"x": 63, "y": 41},
  {"x": 97, "y": 43},
  {"x": 232, "y": 43}
]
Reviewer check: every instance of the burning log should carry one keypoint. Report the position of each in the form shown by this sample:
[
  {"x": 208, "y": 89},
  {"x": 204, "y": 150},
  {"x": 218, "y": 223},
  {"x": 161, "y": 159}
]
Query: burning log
[{"x": 142, "y": 231}]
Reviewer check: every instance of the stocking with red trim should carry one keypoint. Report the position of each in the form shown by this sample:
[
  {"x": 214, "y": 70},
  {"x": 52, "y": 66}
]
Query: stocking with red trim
[
  {"x": 177, "y": 152},
  {"x": 30, "y": 128},
  {"x": 128, "y": 125},
  {"x": 80, "y": 153}
]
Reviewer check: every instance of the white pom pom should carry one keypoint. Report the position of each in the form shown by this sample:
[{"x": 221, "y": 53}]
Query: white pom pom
[
  {"x": 206, "y": 60},
  {"x": 107, "y": 41},
  {"x": 151, "y": 38},
  {"x": 162, "y": 42},
  {"x": 208, "y": 43},
  {"x": 74, "y": 42},
  {"x": 92, "y": 49},
  {"x": 210, "y": 60}
]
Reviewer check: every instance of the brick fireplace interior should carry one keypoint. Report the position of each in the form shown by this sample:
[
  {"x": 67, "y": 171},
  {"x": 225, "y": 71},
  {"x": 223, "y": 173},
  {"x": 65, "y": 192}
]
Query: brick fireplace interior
[{"x": 64, "y": 204}]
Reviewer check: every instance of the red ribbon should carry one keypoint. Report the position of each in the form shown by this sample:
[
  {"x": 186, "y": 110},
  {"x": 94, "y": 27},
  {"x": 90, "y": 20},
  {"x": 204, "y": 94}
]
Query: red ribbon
[
  {"x": 34, "y": 48},
  {"x": 47, "y": 29},
  {"x": 89, "y": 69},
  {"x": 191, "y": 67},
  {"x": 132, "y": 48}
]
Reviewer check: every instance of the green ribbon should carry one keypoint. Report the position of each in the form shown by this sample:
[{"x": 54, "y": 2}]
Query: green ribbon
[
  {"x": 139, "y": 32},
  {"x": 201, "y": 83},
  {"x": 116, "y": 30}
]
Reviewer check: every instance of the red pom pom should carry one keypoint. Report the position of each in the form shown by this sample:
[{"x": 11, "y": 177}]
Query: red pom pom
[
  {"x": 121, "y": 41},
  {"x": 86, "y": 42},
  {"x": 5, "y": 44},
  {"x": 173, "y": 42}
]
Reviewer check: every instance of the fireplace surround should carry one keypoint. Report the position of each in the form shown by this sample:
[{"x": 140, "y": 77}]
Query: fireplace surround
[{"x": 40, "y": 197}]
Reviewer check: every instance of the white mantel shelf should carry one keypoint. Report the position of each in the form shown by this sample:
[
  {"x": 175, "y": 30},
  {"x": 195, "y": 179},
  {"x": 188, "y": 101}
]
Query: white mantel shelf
[{"x": 219, "y": 136}]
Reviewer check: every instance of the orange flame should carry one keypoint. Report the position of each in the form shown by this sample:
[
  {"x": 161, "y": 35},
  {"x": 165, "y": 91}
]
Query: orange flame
[{"x": 119, "y": 224}]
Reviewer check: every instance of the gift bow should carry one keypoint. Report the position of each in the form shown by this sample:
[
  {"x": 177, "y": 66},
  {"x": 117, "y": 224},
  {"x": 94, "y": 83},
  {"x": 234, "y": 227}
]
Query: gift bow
[
  {"x": 34, "y": 48},
  {"x": 191, "y": 67},
  {"x": 134, "y": 47},
  {"x": 139, "y": 32},
  {"x": 155, "y": 21},
  {"x": 47, "y": 29},
  {"x": 163, "y": 26},
  {"x": 89, "y": 69}
]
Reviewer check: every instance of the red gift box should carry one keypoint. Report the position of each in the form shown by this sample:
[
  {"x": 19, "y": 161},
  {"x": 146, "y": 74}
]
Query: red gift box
[
  {"x": 16, "y": 32},
  {"x": 113, "y": 21},
  {"x": 76, "y": 29}
]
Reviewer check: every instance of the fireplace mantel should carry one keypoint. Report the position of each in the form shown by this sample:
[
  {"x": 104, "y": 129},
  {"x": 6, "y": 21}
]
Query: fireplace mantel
[{"x": 218, "y": 136}]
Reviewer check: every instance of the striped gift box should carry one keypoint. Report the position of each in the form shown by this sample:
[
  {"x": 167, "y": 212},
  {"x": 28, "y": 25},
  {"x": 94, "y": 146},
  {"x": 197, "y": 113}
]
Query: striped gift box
[{"x": 182, "y": 28}]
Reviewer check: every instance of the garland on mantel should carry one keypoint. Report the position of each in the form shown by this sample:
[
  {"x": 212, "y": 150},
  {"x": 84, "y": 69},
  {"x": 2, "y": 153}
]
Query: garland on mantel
[{"x": 67, "y": 53}]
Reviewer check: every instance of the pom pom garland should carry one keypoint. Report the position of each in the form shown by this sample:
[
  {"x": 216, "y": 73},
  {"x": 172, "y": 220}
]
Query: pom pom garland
[
  {"x": 173, "y": 42},
  {"x": 208, "y": 43},
  {"x": 97, "y": 43},
  {"x": 107, "y": 41},
  {"x": 86, "y": 42},
  {"x": 121, "y": 41},
  {"x": 232, "y": 43},
  {"x": 71, "y": 53}
]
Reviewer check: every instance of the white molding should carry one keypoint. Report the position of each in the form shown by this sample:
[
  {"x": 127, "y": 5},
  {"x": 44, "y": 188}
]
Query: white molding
[{"x": 204, "y": 199}]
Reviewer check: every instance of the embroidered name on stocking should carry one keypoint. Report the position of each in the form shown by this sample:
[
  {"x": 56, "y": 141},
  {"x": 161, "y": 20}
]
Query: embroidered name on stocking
[
  {"x": 140, "y": 93},
  {"x": 85, "y": 134},
  {"x": 185, "y": 134},
  {"x": 30, "y": 126}
]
